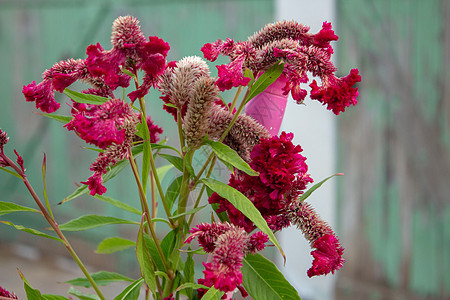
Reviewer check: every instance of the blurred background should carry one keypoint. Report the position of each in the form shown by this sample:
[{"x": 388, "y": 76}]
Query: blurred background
[{"x": 391, "y": 209}]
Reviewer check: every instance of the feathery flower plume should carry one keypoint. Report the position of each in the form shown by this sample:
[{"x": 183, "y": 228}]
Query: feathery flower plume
[
  {"x": 301, "y": 52},
  {"x": 196, "y": 120},
  {"x": 177, "y": 83},
  {"x": 328, "y": 253},
  {"x": 3, "y": 141},
  {"x": 228, "y": 245},
  {"x": 243, "y": 136}
]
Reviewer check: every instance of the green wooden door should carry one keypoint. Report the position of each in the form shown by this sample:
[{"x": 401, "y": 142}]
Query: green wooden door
[{"x": 395, "y": 150}]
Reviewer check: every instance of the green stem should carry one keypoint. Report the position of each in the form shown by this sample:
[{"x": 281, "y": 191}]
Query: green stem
[
  {"x": 55, "y": 226},
  {"x": 148, "y": 216}
]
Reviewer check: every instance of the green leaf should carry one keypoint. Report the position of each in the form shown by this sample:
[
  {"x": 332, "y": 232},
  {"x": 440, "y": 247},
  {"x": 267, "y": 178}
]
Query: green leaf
[
  {"x": 266, "y": 79},
  {"x": 32, "y": 231},
  {"x": 92, "y": 221},
  {"x": 162, "y": 171},
  {"x": 11, "y": 172},
  {"x": 168, "y": 242},
  {"x": 173, "y": 191},
  {"x": 132, "y": 291},
  {"x": 263, "y": 280},
  {"x": 316, "y": 186},
  {"x": 244, "y": 205},
  {"x": 192, "y": 211},
  {"x": 171, "y": 105},
  {"x": 189, "y": 272},
  {"x": 85, "y": 98},
  {"x": 145, "y": 261},
  {"x": 9, "y": 207},
  {"x": 32, "y": 293},
  {"x": 176, "y": 161},
  {"x": 151, "y": 247},
  {"x": 101, "y": 278},
  {"x": 53, "y": 297},
  {"x": 114, "y": 244},
  {"x": 119, "y": 204},
  {"x": 249, "y": 74},
  {"x": 191, "y": 285},
  {"x": 230, "y": 156},
  {"x": 59, "y": 118},
  {"x": 125, "y": 71},
  {"x": 81, "y": 295},
  {"x": 188, "y": 165},
  {"x": 212, "y": 293}
]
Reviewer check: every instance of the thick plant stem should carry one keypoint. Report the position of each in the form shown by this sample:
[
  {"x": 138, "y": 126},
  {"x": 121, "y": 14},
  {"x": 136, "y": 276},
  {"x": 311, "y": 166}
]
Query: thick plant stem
[
  {"x": 54, "y": 226},
  {"x": 151, "y": 226}
]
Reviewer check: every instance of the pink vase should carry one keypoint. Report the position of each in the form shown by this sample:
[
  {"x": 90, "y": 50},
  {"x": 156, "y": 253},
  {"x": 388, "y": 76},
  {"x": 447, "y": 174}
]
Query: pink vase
[{"x": 269, "y": 106}]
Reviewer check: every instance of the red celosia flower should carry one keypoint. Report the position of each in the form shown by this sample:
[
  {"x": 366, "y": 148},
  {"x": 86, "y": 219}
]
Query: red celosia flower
[
  {"x": 95, "y": 184},
  {"x": 327, "y": 256},
  {"x": 290, "y": 42},
  {"x": 337, "y": 93},
  {"x": 6, "y": 294},
  {"x": 282, "y": 178},
  {"x": 228, "y": 245},
  {"x": 103, "y": 126}
]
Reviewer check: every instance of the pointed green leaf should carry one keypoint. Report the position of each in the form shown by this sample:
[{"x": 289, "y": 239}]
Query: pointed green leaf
[
  {"x": 81, "y": 295},
  {"x": 125, "y": 71},
  {"x": 244, "y": 205},
  {"x": 316, "y": 186},
  {"x": 189, "y": 272},
  {"x": 145, "y": 261},
  {"x": 263, "y": 280},
  {"x": 151, "y": 247},
  {"x": 92, "y": 221},
  {"x": 228, "y": 155},
  {"x": 119, "y": 204},
  {"x": 53, "y": 297},
  {"x": 9, "y": 207},
  {"x": 11, "y": 172},
  {"x": 114, "y": 244},
  {"x": 30, "y": 291},
  {"x": 168, "y": 242},
  {"x": 192, "y": 211},
  {"x": 176, "y": 161},
  {"x": 173, "y": 191},
  {"x": 146, "y": 155},
  {"x": 32, "y": 231},
  {"x": 162, "y": 171},
  {"x": 171, "y": 105},
  {"x": 101, "y": 278},
  {"x": 188, "y": 165},
  {"x": 132, "y": 291},
  {"x": 59, "y": 118},
  {"x": 266, "y": 79},
  {"x": 191, "y": 285},
  {"x": 85, "y": 98},
  {"x": 213, "y": 294}
]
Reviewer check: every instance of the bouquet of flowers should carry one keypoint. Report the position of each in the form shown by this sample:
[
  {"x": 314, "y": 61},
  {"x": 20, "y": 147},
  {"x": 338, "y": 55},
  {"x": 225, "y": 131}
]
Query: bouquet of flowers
[{"x": 267, "y": 188}]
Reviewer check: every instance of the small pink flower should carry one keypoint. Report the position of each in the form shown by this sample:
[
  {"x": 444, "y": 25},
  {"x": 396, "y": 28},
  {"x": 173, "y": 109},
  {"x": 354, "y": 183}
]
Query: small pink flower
[
  {"x": 95, "y": 184},
  {"x": 327, "y": 256},
  {"x": 323, "y": 38},
  {"x": 42, "y": 95},
  {"x": 6, "y": 294}
]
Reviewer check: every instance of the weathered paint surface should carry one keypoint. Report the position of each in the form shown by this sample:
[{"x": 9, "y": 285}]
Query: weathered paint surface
[
  {"x": 395, "y": 150},
  {"x": 36, "y": 34}
]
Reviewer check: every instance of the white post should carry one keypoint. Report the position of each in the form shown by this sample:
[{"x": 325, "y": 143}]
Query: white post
[{"x": 314, "y": 130}]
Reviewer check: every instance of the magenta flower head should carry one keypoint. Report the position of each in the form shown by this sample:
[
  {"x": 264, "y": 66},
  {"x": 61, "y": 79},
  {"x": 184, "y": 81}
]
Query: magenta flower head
[
  {"x": 7, "y": 295},
  {"x": 228, "y": 245},
  {"x": 301, "y": 52},
  {"x": 282, "y": 178}
]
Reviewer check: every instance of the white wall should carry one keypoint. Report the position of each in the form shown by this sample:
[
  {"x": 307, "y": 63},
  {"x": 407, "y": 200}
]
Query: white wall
[{"x": 314, "y": 129}]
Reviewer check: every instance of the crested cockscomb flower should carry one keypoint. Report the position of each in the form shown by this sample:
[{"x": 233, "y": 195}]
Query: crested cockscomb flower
[
  {"x": 337, "y": 93},
  {"x": 3, "y": 138},
  {"x": 7, "y": 295},
  {"x": 282, "y": 179},
  {"x": 328, "y": 253},
  {"x": 177, "y": 83},
  {"x": 290, "y": 42},
  {"x": 131, "y": 50},
  {"x": 104, "y": 125},
  {"x": 196, "y": 120},
  {"x": 228, "y": 245},
  {"x": 57, "y": 78}
]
